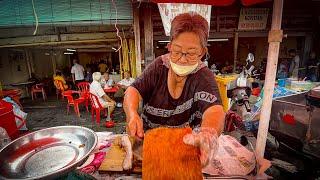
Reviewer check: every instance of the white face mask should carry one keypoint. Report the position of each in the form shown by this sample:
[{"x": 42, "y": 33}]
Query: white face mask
[{"x": 183, "y": 70}]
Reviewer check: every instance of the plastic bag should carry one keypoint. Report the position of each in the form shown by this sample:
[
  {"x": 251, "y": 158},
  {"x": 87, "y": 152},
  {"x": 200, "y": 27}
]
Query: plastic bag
[
  {"x": 18, "y": 112},
  {"x": 231, "y": 158}
]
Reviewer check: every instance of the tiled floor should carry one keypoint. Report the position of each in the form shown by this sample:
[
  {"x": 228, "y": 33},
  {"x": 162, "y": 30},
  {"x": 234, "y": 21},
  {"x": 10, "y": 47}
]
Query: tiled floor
[{"x": 53, "y": 112}]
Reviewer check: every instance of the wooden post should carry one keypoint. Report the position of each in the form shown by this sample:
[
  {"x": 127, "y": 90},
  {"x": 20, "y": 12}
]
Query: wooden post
[
  {"x": 54, "y": 64},
  {"x": 120, "y": 61},
  {"x": 218, "y": 20},
  {"x": 28, "y": 62},
  {"x": 235, "y": 50},
  {"x": 274, "y": 39},
  {"x": 148, "y": 35},
  {"x": 136, "y": 29}
]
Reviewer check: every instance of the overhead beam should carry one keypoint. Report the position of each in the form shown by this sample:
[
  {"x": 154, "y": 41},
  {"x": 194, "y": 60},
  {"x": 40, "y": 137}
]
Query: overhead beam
[
  {"x": 231, "y": 35},
  {"x": 79, "y": 46},
  {"x": 235, "y": 50},
  {"x": 23, "y": 31},
  {"x": 95, "y": 50},
  {"x": 54, "y": 39},
  {"x": 56, "y": 43}
]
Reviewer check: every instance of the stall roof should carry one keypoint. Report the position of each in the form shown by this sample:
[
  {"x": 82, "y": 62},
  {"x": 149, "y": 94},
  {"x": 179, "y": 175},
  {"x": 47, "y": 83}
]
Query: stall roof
[{"x": 26, "y": 12}]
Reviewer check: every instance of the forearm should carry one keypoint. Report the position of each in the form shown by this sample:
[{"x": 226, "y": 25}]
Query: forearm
[
  {"x": 73, "y": 78},
  {"x": 213, "y": 117},
  {"x": 131, "y": 101}
]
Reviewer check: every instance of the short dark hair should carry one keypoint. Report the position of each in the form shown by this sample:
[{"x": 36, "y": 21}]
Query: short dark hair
[
  {"x": 190, "y": 22},
  {"x": 58, "y": 73}
]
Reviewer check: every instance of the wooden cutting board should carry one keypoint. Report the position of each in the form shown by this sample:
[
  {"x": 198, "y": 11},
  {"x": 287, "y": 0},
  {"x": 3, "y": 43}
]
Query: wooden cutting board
[{"x": 114, "y": 157}]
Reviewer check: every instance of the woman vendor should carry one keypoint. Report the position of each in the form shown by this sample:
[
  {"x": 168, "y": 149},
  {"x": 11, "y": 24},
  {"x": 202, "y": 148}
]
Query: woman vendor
[{"x": 178, "y": 90}]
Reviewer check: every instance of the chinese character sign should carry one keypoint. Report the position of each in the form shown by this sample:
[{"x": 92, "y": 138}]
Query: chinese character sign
[
  {"x": 253, "y": 18},
  {"x": 170, "y": 10}
]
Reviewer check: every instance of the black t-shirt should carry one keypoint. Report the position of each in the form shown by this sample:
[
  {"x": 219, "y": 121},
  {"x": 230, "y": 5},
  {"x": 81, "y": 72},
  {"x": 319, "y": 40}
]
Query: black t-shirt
[{"x": 161, "y": 109}]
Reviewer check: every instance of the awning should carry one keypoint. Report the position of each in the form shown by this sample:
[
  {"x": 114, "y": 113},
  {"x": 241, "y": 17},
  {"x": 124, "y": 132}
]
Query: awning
[
  {"x": 212, "y": 2},
  {"x": 64, "y": 12}
]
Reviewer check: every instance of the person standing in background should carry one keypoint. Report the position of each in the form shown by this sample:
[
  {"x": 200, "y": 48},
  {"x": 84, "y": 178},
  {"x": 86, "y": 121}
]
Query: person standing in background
[
  {"x": 282, "y": 69},
  {"x": 263, "y": 69},
  {"x": 77, "y": 72},
  {"x": 294, "y": 64},
  {"x": 227, "y": 68},
  {"x": 102, "y": 67},
  {"x": 312, "y": 67}
]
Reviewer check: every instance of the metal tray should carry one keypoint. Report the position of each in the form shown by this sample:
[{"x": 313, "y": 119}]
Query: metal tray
[{"x": 47, "y": 153}]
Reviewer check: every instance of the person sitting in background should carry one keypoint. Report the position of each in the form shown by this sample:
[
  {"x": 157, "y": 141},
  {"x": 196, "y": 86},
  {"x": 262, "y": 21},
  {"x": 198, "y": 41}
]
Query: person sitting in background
[
  {"x": 126, "y": 82},
  {"x": 106, "y": 81},
  {"x": 123, "y": 85},
  {"x": 59, "y": 77},
  {"x": 227, "y": 68},
  {"x": 34, "y": 79},
  {"x": 88, "y": 77},
  {"x": 104, "y": 99},
  {"x": 103, "y": 67}
]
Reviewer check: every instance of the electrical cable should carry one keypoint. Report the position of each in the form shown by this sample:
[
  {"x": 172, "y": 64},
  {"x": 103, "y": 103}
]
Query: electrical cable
[
  {"x": 36, "y": 18},
  {"x": 115, "y": 25}
]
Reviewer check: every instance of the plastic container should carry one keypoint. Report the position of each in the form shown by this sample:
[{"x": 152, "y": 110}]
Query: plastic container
[
  {"x": 222, "y": 82},
  {"x": 288, "y": 82},
  {"x": 7, "y": 119},
  {"x": 110, "y": 124},
  {"x": 301, "y": 85},
  {"x": 282, "y": 82}
]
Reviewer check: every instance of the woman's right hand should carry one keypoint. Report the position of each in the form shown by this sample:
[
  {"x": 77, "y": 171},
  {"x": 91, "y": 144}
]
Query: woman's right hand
[{"x": 135, "y": 126}]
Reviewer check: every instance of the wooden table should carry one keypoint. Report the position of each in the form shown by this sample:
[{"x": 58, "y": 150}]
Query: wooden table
[
  {"x": 25, "y": 84},
  {"x": 111, "y": 91}
]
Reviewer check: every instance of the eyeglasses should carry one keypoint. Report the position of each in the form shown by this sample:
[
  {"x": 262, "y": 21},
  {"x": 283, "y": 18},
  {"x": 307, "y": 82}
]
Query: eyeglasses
[{"x": 191, "y": 56}]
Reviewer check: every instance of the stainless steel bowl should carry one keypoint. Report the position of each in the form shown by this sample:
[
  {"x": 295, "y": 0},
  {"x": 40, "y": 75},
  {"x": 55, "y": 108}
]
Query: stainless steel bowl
[{"x": 47, "y": 153}]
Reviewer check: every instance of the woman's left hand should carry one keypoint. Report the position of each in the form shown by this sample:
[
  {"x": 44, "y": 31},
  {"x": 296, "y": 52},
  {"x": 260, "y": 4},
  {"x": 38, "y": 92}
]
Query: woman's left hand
[{"x": 206, "y": 140}]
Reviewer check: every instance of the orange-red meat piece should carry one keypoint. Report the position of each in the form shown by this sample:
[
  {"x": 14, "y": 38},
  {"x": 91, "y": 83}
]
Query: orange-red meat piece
[{"x": 165, "y": 156}]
